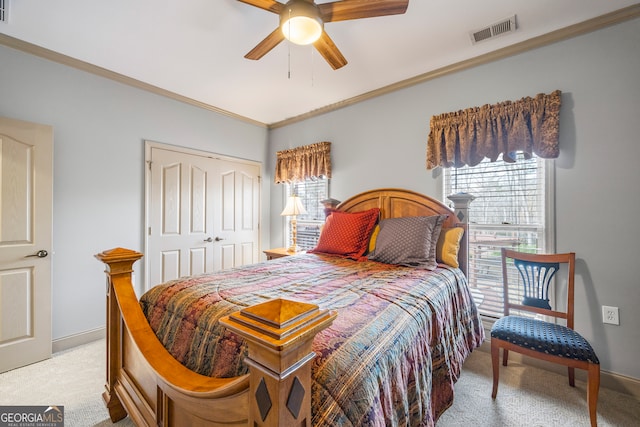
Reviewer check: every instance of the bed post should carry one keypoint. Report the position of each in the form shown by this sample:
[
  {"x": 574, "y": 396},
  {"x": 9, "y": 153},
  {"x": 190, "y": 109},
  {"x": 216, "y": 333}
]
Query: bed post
[
  {"x": 119, "y": 264},
  {"x": 461, "y": 202},
  {"x": 279, "y": 334}
]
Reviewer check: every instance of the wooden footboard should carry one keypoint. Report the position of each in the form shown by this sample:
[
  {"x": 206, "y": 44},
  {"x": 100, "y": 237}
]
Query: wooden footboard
[{"x": 145, "y": 382}]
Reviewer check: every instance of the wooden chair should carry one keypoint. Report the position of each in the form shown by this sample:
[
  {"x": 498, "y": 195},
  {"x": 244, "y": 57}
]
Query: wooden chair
[{"x": 537, "y": 338}]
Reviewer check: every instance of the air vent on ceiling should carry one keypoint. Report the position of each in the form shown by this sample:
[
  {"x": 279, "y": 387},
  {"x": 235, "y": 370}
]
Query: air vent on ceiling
[
  {"x": 505, "y": 26},
  {"x": 4, "y": 11}
]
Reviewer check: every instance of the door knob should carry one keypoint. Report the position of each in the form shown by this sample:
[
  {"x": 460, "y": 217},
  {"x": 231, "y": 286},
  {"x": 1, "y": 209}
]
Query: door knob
[
  {"x": 40, "y": 254},
  {"x": 218, "y": 239},
  {"x": 209, "y": 239}
]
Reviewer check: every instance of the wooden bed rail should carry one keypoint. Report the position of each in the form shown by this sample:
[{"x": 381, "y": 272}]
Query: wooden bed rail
[{"x": 145, "y": 382}]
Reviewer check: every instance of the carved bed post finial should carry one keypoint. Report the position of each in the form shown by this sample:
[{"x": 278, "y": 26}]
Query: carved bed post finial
[
  {"x": 119, "y": 264},
  {"x": 461, "y": 202},
  {"x": 119, "y": 260},
  {"x": 279, "y": 334}
]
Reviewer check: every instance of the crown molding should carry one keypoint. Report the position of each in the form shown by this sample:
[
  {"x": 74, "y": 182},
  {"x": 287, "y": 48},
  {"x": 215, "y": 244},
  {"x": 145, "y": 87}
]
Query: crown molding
[
  {"x": 60, "y": 58},
  {"x": 584, "y": 27}
]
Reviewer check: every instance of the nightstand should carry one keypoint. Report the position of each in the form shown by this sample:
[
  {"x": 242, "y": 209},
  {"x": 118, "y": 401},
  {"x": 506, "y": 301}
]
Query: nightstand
[{"x": 277, "y": 253}]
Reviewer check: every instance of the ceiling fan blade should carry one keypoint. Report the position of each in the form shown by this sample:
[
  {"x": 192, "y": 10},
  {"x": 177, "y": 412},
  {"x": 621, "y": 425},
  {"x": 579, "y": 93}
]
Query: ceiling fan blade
[
  {"x": 356, "y": 9},
  {"x": 266, "y": 45},
  {"x": 270, "y": 5},
  {"x": 329, "y": 51}
]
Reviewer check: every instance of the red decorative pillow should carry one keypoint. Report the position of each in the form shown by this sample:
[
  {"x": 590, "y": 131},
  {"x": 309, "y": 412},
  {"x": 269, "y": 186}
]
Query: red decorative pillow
[{"x": 347, "y": 234}]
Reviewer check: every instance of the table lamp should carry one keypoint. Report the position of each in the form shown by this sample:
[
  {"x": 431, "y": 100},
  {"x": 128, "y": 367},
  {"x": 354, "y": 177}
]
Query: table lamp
[{"x": 293, "y": 208}]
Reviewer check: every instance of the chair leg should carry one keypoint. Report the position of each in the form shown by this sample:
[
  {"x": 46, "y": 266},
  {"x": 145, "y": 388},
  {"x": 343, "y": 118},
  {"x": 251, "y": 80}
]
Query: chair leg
[
  {"x": 505, "y": 356},
  {"x": 495, "y": 363},
  {"x": 572, "y": 376},
  {"x": 593, "y": 387}
]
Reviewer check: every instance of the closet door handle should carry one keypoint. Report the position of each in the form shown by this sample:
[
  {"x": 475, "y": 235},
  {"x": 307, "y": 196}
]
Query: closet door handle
[{"x": 40, "y": 254}]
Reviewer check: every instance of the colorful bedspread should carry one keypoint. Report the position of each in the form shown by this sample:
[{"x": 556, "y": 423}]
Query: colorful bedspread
[{"x": 390, "y": 358}]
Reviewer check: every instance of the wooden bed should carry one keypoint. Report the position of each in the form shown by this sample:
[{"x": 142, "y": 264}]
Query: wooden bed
[{"x": 145, "y": 382}]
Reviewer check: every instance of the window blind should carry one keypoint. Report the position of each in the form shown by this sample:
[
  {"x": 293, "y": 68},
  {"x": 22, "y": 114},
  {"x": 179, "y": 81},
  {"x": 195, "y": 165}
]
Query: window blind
[
  {"x": 510, "y": 210},
  {"x": 311, "y": 192}
]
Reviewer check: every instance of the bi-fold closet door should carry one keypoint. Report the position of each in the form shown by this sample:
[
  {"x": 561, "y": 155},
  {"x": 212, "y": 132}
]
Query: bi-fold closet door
[{"x": 203, "y": 213}]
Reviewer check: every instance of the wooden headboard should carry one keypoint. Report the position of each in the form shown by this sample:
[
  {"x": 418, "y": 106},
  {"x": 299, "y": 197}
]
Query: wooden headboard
[{"x": 395, "y": 203}]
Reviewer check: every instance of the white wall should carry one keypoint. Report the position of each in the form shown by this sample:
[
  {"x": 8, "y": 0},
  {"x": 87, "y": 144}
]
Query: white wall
[
  {"x": 382, "y": 143},
  {"x": 99, "y": 132}
]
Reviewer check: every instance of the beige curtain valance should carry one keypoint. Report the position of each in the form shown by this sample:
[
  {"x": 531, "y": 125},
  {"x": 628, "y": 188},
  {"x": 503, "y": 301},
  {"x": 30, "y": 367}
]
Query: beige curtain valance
[
  {"x": 466, "y": 137},
  {"x": 306, "y": 162}
]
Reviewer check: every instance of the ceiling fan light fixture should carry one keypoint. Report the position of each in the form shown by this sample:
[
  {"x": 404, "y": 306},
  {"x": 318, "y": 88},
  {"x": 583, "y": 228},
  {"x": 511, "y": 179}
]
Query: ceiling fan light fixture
[{"x": 300, "y": 22}]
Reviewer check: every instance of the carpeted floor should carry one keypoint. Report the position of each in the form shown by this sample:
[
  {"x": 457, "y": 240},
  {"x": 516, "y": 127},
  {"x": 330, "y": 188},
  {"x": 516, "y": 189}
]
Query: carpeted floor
[
  {"x": 73, "y": 379},
  {"x": 527, "y": 396}
]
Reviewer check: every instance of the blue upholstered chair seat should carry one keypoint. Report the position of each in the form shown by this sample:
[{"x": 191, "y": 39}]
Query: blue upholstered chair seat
[{"x": 544, "y": 337}]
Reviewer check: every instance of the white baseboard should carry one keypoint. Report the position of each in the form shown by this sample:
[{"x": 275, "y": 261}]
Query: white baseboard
[
  {"x": 610, "y": 380},
  {"x": 72, "y": 341}
]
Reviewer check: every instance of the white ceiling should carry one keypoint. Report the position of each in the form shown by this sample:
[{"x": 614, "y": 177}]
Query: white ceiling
[{"x": 196, "y": 48}]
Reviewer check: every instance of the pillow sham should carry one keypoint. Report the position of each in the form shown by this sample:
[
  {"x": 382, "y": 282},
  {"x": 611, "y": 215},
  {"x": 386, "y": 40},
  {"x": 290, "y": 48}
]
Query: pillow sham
[
  {"x": 448, "y": 246},
  {"x": 347, "y": 233},
  {"x": 408, "y": 241}
]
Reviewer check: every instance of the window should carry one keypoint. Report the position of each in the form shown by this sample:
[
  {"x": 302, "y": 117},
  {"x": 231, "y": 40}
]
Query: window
[
  {"x": 513, "y": 208},
  {"x": 308, "y": 226}
]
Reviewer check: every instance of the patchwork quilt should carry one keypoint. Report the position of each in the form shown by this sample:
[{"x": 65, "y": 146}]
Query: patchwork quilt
[{"x": 391, "y": 357}]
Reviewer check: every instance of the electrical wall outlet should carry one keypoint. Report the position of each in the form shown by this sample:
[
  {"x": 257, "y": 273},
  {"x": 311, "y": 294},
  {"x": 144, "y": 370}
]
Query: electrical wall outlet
[{"x": 610, "y": 315}]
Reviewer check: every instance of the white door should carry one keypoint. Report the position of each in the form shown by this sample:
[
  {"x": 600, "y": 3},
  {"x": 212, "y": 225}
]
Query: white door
[
  {"x": 203, "y": 214},
  {"x": 25, "y": 242},
  {"x": 236, "y": 215}
]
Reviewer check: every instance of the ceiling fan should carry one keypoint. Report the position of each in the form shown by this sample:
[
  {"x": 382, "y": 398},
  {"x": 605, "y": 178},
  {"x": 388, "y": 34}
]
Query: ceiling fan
[{"x": 302, "y": 22}]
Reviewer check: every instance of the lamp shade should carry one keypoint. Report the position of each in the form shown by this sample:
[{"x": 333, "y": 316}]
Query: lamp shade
[
  {"x": 300, "y": 22},
  {"x": 294, "y": 207}
]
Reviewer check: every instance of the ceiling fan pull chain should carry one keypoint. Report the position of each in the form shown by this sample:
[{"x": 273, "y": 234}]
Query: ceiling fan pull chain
[
  {"x": 289, "y": 61},
  {"x": 289, "y": 48}
]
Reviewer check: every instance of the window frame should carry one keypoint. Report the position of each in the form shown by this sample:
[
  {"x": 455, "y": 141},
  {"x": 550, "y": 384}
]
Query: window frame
[
  {"x": 289, "y": 189},
  {"x": 548, "y": 234}
]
